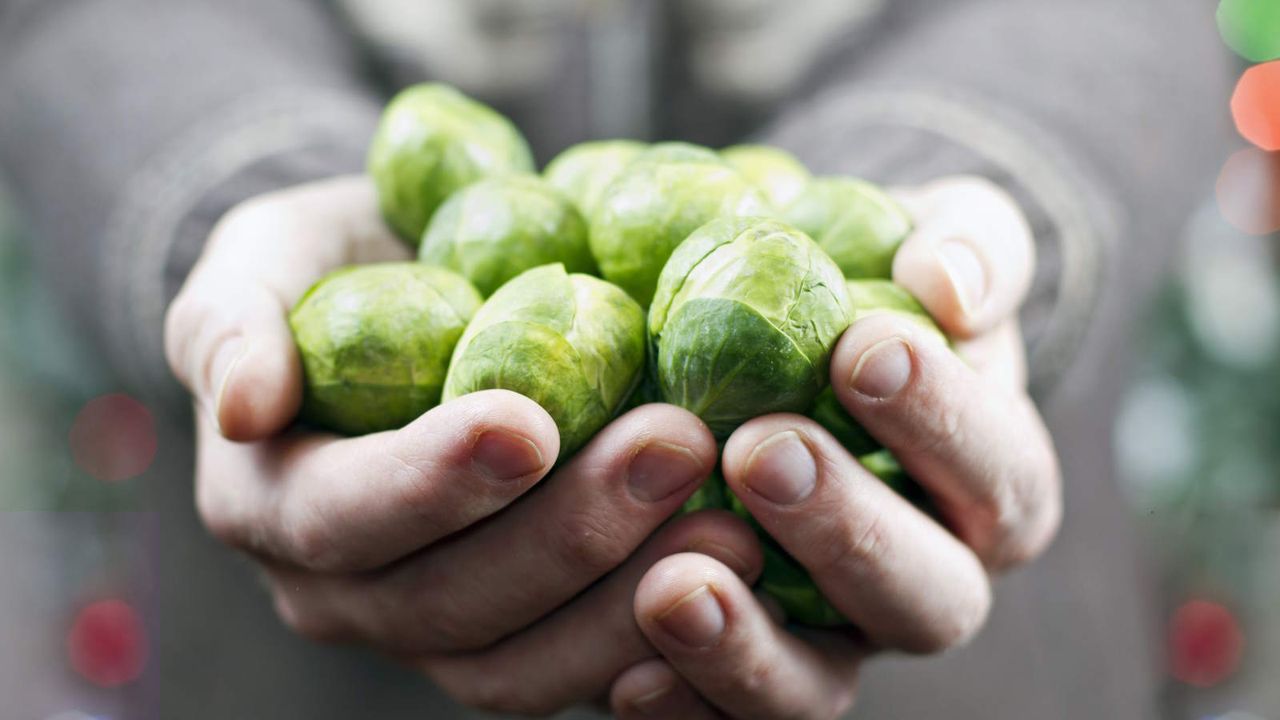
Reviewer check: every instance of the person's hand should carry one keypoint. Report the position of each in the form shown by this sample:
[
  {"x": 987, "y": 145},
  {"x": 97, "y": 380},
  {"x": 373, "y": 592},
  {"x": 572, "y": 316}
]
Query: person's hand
[
  {"x": 411, "y": 541},
  {"x": 965, "y": 430}
]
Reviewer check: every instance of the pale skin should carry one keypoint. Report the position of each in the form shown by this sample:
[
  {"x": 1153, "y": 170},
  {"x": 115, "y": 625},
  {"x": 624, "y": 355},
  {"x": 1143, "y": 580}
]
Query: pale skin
[{"x": 584, "y": 590}]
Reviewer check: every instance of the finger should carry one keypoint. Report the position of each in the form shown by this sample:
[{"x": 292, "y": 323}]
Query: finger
[
  {"x": 980, "y": 450},
  {"x": 575, "y": 653},
  {"x": 332, "y": 504},
  {"x": 885, "y": 565},
  {"x": 653, "y": 689},
  {"x": 480, "y": 586},
  {"x": 226, "y": 334},
  {"x": 971, "y": 256},
  {"x": 998, "y": 356},
  {"x": 710, "y": 628}
]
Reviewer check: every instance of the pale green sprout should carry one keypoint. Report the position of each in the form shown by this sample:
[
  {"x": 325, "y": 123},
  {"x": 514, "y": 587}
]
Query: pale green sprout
[
  {"x": 572, "y": 343},
  {"x": 375, "y": 342},
  {"x": 432, "y": 141},
  {"x": 497, "y": 228},
  {"x": 746, "y": 314},
  {"x": 583, "y": 171},
  {"x": 855, "y": 222},
  {"x": 776, "y": 172},
  {"x": 664, "y": 195}
]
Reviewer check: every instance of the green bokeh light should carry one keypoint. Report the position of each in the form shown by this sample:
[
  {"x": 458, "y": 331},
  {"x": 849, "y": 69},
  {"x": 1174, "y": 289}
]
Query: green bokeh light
[{"x": 1251, "y": 28}]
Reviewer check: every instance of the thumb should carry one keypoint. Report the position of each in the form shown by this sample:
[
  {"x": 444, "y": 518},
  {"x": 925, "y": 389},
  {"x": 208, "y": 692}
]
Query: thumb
[{"x": 233, "y": 349}]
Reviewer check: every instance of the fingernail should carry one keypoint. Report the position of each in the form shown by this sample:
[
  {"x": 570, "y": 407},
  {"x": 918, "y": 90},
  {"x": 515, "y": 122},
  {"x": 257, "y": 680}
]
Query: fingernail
[
  {"x": 724, "y": 554},
  {"x": 883, "y": 370},
  {"x": 225, "y": 360},
  {"x": 695, "y": 619},
  {"x": 505, "y": 456},
  {"x": 967, "y": 275},
  {"x": 661, "y": 469},
  {"x": 651, "y": 703},
  {"x": 781, "y": 469}
]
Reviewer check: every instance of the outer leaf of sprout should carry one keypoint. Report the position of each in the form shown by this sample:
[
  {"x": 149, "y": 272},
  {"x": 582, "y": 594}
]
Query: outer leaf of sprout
[
  {"x": 572, "y": 343},
  {"x": 375, "y": 343},
  {"x": 432, "y": 141}
]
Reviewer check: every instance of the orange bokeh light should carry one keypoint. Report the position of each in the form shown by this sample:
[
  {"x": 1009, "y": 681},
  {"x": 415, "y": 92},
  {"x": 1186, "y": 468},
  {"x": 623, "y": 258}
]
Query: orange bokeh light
[{"x": 1255, "y": 106}]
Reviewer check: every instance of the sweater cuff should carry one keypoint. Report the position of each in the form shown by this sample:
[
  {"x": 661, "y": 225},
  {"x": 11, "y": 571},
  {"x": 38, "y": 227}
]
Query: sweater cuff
[
  {"x": 166, "y": 209},
  {"x": 912, "y": 135}
]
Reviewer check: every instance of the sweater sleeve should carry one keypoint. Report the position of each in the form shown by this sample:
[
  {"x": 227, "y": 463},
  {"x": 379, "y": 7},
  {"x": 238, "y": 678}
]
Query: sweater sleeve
[
  {"x": 1103, "y": 119},
  {"x": 129, "y": 126}
]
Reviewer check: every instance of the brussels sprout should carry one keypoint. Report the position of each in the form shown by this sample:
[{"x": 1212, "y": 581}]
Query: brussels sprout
[
  {"x": 776, "y": 172},
  {"x": 574, "y": 344},
  {"x": 375, "y": 342},
  {"x": 675, "y": 151},
  {"x": 710, "y": 495},
  {"x": 830, "y": 414},
  {"x": 433, "y": 140},
  {"x": 858, "y": 225},
  {"x": 874, "y": 296},
  {"x": 745, "y": 317},
  {"x": 499, "y": 227},
  {"x": 663, "y": 196},
  {"x": 583, "y": 171}
]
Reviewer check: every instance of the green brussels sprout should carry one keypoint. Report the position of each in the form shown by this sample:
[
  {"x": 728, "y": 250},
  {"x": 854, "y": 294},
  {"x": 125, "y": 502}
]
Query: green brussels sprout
[
  {"x": 433, "y": 140},
  {"x": 663, "y": 196},
  {"x": 375, "y": 342},
  {"x": 583, "y": 171},
  {"x": 574, "y": 344},
  {"x": 497, "y": 228},
  {"x": 745, "y": 317},
  {"x": 830, "y": 414},
  {"x": 712, "y": 494},
  {"x": 776, "y": 172},
  {"x": 857, "y": 223}
]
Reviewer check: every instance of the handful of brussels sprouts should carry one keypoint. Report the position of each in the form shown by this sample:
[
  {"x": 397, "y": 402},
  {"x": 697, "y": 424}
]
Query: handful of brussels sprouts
[{"x": 625, "y": 273}]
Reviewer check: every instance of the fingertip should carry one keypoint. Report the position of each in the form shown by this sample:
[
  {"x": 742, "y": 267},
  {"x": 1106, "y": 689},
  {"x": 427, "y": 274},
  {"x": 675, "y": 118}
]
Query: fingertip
[
  {"x": 255, "y": 386},
  {"x": 880, "y": 356},
  {"x": 681, "y": 596},
  {"x": 949, "y": 278},
  {"x": 660, "y": 422},
  {"x": 476, "y": 415},
  {"x": 653, "y": 689}
]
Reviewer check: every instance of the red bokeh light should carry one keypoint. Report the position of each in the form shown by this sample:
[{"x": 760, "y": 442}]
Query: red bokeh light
[
  {"x": 1205, "y": 643},
  {"x": 113, "y": 438},
  {"x": 1255, "y": 106},
  {"x": 1248, "y": 191},
  {"x": 107, "y": 643}
]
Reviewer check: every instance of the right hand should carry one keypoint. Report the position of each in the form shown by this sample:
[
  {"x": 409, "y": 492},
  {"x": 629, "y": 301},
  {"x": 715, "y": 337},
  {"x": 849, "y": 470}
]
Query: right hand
[{"x": 379, "y": 539}]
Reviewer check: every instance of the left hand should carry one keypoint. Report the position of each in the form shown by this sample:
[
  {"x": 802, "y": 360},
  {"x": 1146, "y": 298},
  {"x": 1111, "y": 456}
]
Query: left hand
[{"x": 965, "y": 429}]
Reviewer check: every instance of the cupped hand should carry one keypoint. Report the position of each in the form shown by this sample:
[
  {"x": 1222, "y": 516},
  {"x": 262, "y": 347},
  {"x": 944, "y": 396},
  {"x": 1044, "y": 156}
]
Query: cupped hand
[
  {"x": 412, "y": 541},
  {"x": 961, "y": 424}
]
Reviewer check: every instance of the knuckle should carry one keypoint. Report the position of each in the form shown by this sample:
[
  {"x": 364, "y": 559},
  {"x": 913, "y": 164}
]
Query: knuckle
[
  {"x": 585, "y": 541},
  {"x": 956, "y": 627},
  {"x": 307, "y": 623},
  {"x": 216, "y": 513},
  {"x": 310, "y": 543},
  {"x": 860, "y": 551},
  {"x": 941, "y": 426}
]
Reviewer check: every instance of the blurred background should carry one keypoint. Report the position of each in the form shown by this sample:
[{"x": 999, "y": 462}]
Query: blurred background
[{"x": 1195, "y": 445}]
